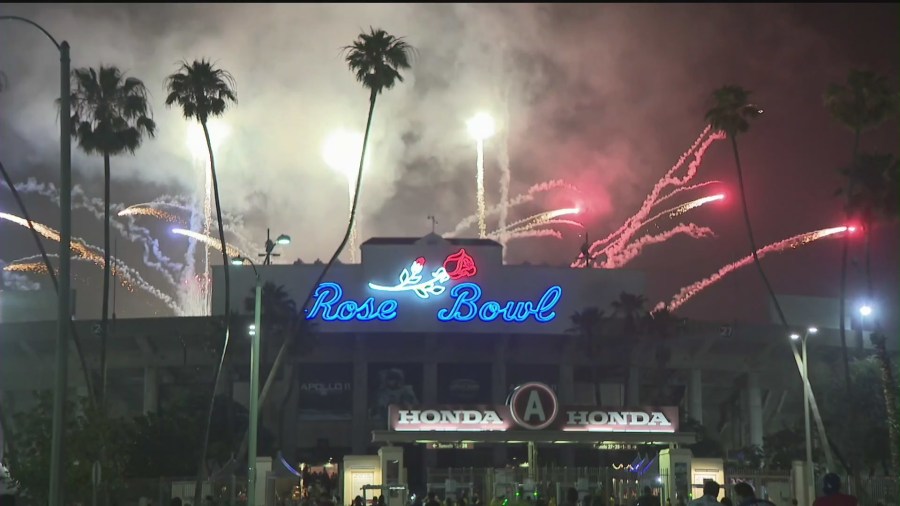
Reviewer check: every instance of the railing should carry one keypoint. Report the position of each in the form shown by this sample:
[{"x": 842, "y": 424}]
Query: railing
[{"x": 620, "y": 484}]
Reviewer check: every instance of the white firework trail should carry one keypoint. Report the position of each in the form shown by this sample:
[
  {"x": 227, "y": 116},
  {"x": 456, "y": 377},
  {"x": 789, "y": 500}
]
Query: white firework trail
[
  {"x": 94, "y": 255},
  {"x": 210, "y": 241},
  {"x": 520, "y": 199},
  {"x": 505, "y": 174}
]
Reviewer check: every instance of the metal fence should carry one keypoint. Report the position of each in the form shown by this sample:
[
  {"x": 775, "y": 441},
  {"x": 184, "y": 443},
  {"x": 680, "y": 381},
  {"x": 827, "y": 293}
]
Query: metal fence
[
  {"x": 772, "y": 484},
  {"x": 614, "y": 486}
]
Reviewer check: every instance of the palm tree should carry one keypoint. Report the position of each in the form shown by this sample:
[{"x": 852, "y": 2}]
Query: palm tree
[
  {"x": 277, "y": 310},
  {"x": 873, "y": 180},
  {"x": 110, "y": 116},
  {"x": 731, "y": 114},
  {"x": 376, "y": 58},
  {"x": 630, "y": 306},
  {"x": 863, "y": 103},
  {"x": 589, "y": 324},
  {"x": 203, "y": 91},
  {"x": 661, "y": 326}
]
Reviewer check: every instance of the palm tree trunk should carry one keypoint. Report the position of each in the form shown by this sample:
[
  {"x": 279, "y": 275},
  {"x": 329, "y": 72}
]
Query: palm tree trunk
[
  {"x": 279, "y": 358},
  {"x": 37, "y": 240},
  {"x": 845, "y": 249},
  {"x": 201, "y": 473},
  {"x": 762, "y": 274},
  {"x": 104, "y": 321}
]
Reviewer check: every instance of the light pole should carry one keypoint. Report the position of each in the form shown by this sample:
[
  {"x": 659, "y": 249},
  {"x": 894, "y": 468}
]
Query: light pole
[
  {"x": 255, "y": 336},
  {"x": 270, "y": 246},
  {"x": 65, "y": 238},
  {"x": 481, "y": 127},
  {"x": 810, "y": 475}
]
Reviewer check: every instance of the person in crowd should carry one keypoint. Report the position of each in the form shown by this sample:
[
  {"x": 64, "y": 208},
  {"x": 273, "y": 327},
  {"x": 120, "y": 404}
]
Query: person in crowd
[
  {"x": 710, "y": 494},
  {"x": 432, "y": 500},
  {"x": 176, "y": 501},
  {"x": 381, "y": 500},
  {"x": 726, "y": 501},
  {"x": 647, "y": 498},
  {"x": 831, "y": 486},
  {"x": 571, "y": 497},
  {"x": 746, "y": 496}
]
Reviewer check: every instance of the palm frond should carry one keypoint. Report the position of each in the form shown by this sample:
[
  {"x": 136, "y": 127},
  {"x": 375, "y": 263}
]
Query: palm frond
[
  {"x": 376, "y": 59},
  {"x": 110, "y": 112},
  {"x": 201, "y": 90}
]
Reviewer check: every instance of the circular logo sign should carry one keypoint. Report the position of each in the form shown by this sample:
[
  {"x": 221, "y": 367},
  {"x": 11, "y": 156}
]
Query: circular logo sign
[{"x": 533, "y": 406}]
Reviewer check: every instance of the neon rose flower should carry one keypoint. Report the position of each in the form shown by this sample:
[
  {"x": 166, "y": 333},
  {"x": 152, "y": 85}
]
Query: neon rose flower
[
  {"x": 417, "y": 265},
  {"x": 460, "y": 265}
]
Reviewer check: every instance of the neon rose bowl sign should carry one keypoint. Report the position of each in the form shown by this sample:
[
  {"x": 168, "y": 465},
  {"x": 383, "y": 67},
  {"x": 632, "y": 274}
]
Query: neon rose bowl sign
[{"x": 330, "y": 305}]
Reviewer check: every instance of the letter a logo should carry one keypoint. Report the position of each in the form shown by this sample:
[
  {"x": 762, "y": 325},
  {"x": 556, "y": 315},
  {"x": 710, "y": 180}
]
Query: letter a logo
[{"x": 533, "y": 406}]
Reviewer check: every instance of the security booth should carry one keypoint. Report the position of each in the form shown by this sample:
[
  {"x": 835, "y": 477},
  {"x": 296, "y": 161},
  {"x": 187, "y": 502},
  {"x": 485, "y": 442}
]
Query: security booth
[{"x": 533, "y": 418}]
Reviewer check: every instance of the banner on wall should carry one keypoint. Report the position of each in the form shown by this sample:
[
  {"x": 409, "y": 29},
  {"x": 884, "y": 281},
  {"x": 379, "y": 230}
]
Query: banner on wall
[
  {"x": 326, "y": 391},
  {"x": 464, "y": 383},
  {"x": 395, "y": 383}
]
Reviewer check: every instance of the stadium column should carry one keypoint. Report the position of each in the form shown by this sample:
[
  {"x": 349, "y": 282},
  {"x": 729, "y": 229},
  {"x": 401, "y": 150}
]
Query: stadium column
[
  {"x": 291, "y": 411},
  {"x": 634, "y": 387},
  {"x": 429, "y": 386},
  {"x": 151, "y": 390},
  {"x": 361, "y": 434},
  {"x": 754, "y": 406},
  {"x": 567, "y": 394},
  {"x": 695, "y": 395},
  {"x": 500, "y": 388}
]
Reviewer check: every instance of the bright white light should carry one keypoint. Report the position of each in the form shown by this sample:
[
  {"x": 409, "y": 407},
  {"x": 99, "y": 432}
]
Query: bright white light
[
  {"x": 812, "y": 330},
  {"x": 865, "y": 310},
  {"x": 659, "y": 479},
  {"x": 251, "y": 329},
  {"x": 481, "y": 126},
  {"x": 795, "y": 336},
  {"x": 342, "y": 150},
  {"x": 196, "y": 141}
]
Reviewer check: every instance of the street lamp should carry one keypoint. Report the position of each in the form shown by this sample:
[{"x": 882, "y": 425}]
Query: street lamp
[
  {"x": 480, "y": 127},
  {"x": 804, "y": 372},
  {"x": 282, "y": 239},
  {"x": 255, "y": 335},
  {"x": 865, "y": 310},
  {"x": 65, "y": 238}
]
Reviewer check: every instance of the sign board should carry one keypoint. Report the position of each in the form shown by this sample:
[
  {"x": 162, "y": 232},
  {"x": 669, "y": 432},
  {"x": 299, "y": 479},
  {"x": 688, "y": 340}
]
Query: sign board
[
  {"x": 450, "y": 446},
  {"x": 532, "y": 406},
  {"x": 462, "y": 299}
]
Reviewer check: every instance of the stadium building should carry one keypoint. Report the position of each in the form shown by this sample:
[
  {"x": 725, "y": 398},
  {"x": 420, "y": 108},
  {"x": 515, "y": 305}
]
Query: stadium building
[{"x": 431, "y": 356}]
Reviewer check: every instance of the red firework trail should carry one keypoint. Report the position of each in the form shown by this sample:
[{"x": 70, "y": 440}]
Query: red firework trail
[
  {"x": 634, "y": 249},
  {"x": 637, "y": 221},
  {"x": 686, "y": 293},
  {"x": 632, "y": 224}
]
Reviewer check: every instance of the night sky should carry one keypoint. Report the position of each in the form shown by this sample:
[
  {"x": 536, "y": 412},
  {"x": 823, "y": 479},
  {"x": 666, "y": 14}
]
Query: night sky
[{"x": 606, "y": 97}]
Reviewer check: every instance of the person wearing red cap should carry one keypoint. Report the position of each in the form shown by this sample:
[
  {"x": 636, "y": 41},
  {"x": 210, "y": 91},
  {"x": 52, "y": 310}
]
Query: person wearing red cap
[{"x": 831, "y": 485}]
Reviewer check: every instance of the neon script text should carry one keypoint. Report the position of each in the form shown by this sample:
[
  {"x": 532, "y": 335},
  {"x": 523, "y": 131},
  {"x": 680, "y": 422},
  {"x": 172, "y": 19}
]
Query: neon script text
[{"x": 467, "y": 306}]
